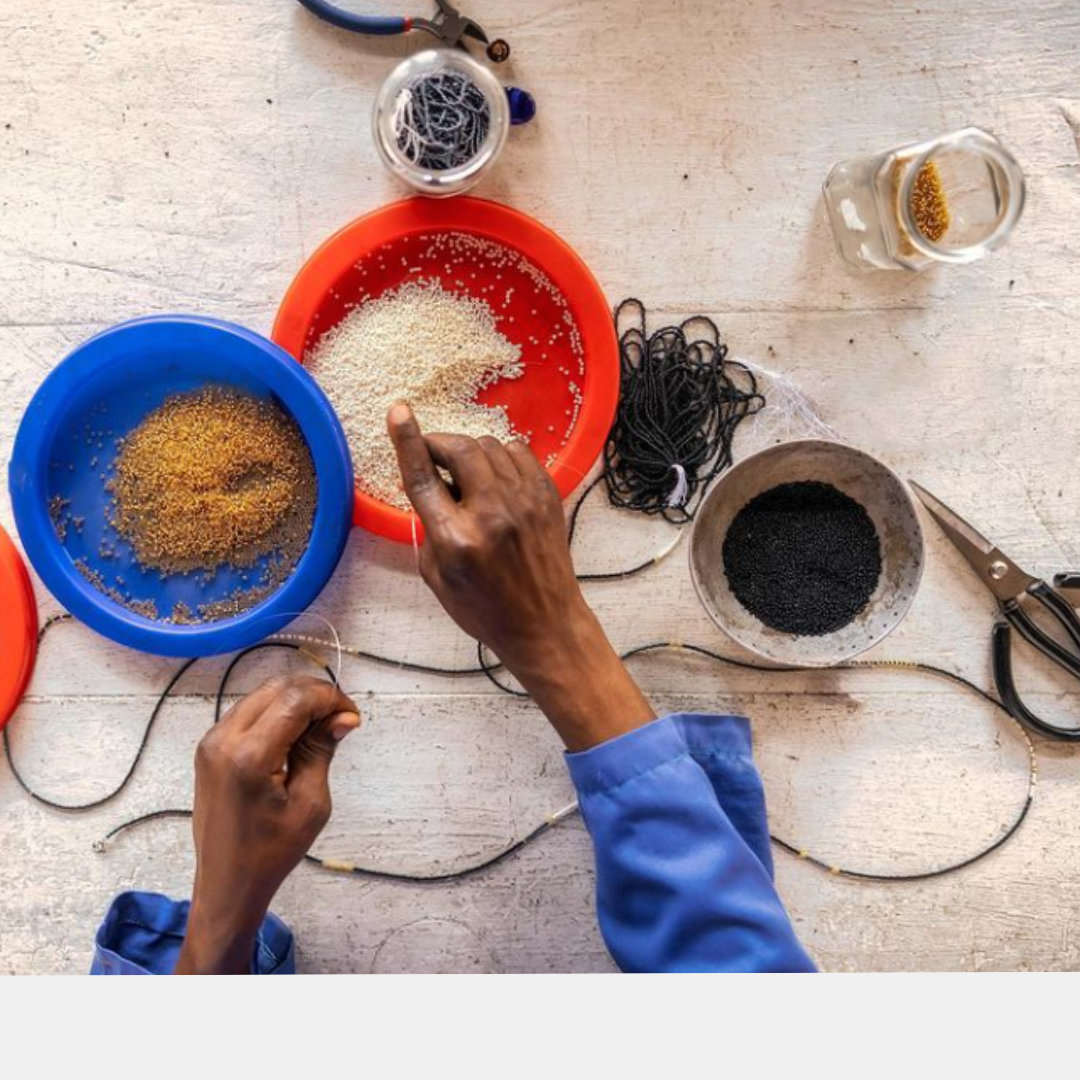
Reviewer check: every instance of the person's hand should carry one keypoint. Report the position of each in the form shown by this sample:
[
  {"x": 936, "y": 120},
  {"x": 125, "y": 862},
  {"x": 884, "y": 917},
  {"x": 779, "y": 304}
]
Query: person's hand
[
  {"x": 497, "y": 557},
  {"x": 262, "y": 796}
]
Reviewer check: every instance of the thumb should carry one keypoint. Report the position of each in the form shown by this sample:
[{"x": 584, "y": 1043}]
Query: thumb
[{"x": 310, "y": 757}]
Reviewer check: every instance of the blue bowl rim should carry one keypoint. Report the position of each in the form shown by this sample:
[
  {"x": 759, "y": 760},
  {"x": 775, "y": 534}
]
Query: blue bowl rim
[{"x": 298, "y": 392}]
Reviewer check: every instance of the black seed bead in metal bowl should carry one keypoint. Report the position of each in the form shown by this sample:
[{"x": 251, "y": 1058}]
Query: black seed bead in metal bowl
[
  {"x": 807, "y": 553},
  {"x": 803, "y": 557}
]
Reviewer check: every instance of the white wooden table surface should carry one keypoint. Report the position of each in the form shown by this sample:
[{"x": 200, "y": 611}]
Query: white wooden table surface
[{"x": 160, "y": 156}]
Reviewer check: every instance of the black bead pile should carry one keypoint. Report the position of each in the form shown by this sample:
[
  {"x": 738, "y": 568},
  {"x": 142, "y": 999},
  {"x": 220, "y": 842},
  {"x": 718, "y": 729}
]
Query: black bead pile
[
  {"x": 680, "y": 402},
  {"x": 803, "y": 558},
  {"x": 444, "y": 123}
]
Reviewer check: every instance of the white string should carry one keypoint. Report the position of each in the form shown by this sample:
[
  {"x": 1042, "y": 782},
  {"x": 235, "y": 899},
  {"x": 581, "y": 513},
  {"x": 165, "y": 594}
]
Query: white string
[
  {"x": 285, "y": 637},
  {"x": 403, "y": 125},
  {"x": 565, "y": 812},
  {"x": 789, "y": 413},
  {"x": 665, "y": 552},
  {"x": 681, "y": 488}
]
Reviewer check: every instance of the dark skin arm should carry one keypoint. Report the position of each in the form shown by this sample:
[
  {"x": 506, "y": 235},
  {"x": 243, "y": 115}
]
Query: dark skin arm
[
  {"x": 262, "y": 796},
  {"x": 497, "y": 557}
]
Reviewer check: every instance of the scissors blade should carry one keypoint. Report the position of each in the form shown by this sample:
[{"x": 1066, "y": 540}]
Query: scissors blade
[{"x": 996, "y": 571}]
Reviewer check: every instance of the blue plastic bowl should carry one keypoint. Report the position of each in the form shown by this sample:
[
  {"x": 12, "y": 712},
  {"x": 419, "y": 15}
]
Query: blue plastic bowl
[{"x": 67, "y": 440}]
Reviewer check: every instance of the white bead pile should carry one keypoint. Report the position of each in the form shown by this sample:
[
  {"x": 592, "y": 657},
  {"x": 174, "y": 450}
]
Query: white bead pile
[{"x": 421, "y": 344}]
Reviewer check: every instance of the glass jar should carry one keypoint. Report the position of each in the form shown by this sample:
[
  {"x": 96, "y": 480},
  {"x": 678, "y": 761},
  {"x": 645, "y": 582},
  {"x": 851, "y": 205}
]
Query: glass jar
[
  {"x": 952, "y": 199},
  {"x": 387, "y": 120}
]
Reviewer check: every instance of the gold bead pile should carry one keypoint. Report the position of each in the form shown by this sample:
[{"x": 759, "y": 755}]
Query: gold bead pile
[
  {"x": 212, "y": 478},
  {"x": 928, "y": 206}
]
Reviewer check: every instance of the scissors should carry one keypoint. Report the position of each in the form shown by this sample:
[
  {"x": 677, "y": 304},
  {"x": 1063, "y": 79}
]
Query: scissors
[
  {"x": 447, "y": 24},
  {"x": 1011, "y": 585}
]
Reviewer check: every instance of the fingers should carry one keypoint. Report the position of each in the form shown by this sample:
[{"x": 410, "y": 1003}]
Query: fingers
[
  {"x": 502, "y": 463},
  {"x": 525, "y": 461},
  {"x": 465, "y": 460},
  {"x": 309, "y": 761},
  {"x": 426, "y": 491},
  {"x": 533, "y": 473},
  {"x": 247, "y": 710},
  {"x": 288, "y": 718}
]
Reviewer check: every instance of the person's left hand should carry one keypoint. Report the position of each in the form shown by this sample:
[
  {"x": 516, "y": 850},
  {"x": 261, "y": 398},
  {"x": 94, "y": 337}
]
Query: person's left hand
[{"x": 262, "y": 796}]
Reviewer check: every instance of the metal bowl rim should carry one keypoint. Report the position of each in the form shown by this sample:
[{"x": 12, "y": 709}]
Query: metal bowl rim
[{"x": 794, "y": 444}]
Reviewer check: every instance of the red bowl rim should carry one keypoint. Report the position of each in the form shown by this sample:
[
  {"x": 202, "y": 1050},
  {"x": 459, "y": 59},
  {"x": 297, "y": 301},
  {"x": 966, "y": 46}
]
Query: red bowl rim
[
  {"x": 535, "y": 242},
  {"x": 18, "y": 643}
]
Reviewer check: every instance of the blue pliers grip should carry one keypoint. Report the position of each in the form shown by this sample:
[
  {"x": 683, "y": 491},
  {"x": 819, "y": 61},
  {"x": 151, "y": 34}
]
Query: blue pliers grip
[{"x": 377, "y": 25}]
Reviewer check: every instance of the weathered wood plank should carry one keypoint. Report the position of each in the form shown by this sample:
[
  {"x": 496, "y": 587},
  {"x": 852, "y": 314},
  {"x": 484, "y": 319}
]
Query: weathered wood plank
[{"x": 165, "y": 157}]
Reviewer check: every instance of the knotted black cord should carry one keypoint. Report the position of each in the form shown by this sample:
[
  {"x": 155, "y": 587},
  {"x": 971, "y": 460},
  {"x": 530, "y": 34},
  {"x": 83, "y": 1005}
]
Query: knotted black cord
[
  {"x": 681, "y": 401},
  {"x": 489, "y": 670}
]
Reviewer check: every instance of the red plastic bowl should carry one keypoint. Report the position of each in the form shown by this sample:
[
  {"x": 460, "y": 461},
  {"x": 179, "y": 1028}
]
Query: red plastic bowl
[
  {"x": 540, "y": 399},
  {"x": 18, "y": 628}
]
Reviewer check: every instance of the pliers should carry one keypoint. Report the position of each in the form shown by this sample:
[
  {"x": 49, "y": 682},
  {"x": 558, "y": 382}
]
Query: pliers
[{"x": 447, "y": 24}]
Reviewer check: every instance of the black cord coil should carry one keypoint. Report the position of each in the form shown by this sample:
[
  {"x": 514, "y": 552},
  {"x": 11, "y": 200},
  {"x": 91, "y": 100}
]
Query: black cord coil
[{"x": 680, "y": 402}]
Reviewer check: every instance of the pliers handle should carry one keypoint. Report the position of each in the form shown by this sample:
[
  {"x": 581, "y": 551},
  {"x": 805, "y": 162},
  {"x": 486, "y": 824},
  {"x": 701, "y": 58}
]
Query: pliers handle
[
  {"x": 448, "y": 24},
  {"x": 377, "y": 25}
]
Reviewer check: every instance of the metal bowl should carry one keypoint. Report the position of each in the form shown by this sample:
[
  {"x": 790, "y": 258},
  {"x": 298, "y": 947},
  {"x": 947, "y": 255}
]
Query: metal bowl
[{"x": 856, "y": 474}]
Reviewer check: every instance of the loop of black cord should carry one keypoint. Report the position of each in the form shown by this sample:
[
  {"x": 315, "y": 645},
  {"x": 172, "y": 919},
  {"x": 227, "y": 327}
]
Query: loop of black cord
[
  {"x": 488, "y": 671},
  {"x": 610, "y": 575},
  {"x": 76, "y": 808},
  {"x": 927, "y": 669}
]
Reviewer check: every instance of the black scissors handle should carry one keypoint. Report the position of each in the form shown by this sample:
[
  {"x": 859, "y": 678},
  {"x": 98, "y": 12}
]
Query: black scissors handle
[{"x": 1016, "y": 617}]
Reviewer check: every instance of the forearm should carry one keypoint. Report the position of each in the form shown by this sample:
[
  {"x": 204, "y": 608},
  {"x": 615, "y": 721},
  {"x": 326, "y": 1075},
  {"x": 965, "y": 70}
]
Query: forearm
[
  {"x": 579, "y": 682},
  {"x": 216, "y": 945}
]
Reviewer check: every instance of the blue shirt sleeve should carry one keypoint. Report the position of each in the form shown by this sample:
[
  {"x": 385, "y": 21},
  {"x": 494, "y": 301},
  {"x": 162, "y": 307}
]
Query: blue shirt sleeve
[
  {"x": 676, "y": 811},
  {"x": 143, "y": 932}
]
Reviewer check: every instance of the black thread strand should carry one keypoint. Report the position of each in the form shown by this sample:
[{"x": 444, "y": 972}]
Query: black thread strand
[{"x": 332, "y": 865}]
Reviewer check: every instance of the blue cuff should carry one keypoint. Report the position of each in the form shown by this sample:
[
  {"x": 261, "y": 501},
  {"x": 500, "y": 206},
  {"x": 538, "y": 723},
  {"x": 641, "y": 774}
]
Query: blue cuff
[
  {"x": 676, "y": 811},
  {"x": 626, "y": 756},
  {"x": 143, "y": 932},
  {"x": 696, "y": 735},
  {"x": 719, "y": 743}
]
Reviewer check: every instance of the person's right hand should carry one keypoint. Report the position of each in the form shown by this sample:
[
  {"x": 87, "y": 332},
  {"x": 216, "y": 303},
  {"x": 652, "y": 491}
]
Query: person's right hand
[{"x": 497, "y": 557}]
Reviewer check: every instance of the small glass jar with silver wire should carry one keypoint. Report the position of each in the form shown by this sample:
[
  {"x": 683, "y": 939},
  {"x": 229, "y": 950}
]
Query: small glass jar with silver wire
[{"x": 441, "y": 120}]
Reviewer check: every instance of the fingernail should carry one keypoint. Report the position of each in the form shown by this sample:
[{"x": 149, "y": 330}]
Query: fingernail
[
  {"x": 400, "y": 413},
  {"x": 344, "y": 727}
]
